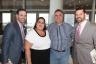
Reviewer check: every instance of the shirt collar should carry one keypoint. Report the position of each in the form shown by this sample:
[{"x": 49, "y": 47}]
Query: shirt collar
[
  {"x": 20, "y": 24},
  {"x": 83, "y": 22}
]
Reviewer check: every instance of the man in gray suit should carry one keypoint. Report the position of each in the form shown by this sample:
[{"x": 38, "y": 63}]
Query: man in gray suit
[
  {"x": 13, "y": 38},
  {"x": 85, "y": 36}
]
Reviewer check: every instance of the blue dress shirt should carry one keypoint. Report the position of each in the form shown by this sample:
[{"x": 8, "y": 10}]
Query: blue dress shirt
[{"x": 61, "y": 36}]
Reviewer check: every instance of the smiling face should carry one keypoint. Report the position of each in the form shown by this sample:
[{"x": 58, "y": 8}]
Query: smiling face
[
  {"x": 21, "y": 16},
  {"x": 58, "y": 17},
  {"x": 40, "y": 25},
  {"x": 80, "y": 15}
]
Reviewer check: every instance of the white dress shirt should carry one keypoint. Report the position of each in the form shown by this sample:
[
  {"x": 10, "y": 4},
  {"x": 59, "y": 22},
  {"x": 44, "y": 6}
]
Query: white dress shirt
[{"x": 82, "y": 25}]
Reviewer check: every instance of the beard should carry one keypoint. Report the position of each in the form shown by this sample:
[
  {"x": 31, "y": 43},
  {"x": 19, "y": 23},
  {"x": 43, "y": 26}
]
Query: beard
[{"x": 79, "y": 19}]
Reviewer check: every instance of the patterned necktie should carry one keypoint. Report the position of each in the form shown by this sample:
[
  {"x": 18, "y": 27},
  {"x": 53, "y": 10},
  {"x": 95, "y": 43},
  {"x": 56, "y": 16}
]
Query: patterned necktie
[
  {"x": 59, "y": 45},
  {"x": 78, "y": 32},
  {"x": 22, "y": 32}
]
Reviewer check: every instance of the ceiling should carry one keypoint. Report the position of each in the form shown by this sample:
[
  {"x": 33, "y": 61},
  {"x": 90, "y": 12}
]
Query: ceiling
[{"x": 43, "y": 4}]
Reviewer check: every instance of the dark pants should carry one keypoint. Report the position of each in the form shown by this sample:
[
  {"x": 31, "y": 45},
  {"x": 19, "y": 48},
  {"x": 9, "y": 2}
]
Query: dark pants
[
  {"x": 22, "y": 57},
  {"x": 40, "y": 56}
]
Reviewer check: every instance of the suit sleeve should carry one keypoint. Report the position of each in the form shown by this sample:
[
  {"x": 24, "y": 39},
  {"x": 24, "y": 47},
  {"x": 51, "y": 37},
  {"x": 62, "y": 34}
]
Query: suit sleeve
[
  {"x": 7, "y": 36},
  {"x": 94, "y": 38},
  {"x": 71, "y": 30}
]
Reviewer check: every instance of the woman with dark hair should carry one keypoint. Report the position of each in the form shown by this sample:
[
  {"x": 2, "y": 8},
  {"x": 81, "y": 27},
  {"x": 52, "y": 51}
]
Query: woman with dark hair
[{"x": 37, "y": 44}]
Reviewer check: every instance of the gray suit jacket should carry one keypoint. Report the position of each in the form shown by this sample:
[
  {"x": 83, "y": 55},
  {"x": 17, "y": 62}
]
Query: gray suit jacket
[
  {"x": 85, "y": 44},
  {"x": 12, "y": 43}
]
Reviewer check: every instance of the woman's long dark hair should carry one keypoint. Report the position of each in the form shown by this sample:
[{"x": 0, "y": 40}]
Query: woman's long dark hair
[{"x": 37, "y": 21}]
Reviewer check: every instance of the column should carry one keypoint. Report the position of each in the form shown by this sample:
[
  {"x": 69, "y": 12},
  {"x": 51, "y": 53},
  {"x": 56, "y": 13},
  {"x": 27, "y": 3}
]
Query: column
[
  {"x": 93, "y": 12},
  {"x": 54, "y": 4},
  {"x": 23, "y": 4}
]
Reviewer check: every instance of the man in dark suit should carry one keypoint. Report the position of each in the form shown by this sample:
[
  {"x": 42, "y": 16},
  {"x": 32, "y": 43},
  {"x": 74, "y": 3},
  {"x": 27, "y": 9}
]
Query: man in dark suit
[{"x": 13, "y": 38}]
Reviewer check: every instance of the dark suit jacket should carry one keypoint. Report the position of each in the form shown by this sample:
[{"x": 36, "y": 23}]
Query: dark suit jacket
[{"x": 12, "y": 43}]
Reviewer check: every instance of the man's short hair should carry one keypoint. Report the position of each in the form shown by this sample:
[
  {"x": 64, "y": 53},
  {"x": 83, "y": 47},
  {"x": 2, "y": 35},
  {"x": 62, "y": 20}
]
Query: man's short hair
[
  {"x": 80, "y": 8},
  {"x": 21, "y": 9},
  {"x": 59, "y": 10}
]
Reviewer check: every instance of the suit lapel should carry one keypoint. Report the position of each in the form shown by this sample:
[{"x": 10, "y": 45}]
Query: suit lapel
[
  {"x": 16, "y": 25},
  {"x": 85, "y": 29}
]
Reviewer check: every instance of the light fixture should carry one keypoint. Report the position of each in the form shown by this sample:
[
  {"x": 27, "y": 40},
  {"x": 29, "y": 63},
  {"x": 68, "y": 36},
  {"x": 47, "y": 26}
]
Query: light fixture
[
  {"x": 42, "y": 0},
  {"x": 79, "y": 2}
]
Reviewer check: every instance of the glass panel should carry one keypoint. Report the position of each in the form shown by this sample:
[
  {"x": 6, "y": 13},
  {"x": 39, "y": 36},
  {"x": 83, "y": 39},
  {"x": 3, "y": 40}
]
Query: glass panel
[
  {"x": 12, "y": 4},
  {"x": 69, "y": 18},
  {"x": 37, "y": 4},
  {"x": 95, "y": 18},
  {"x": 31, "y": 19},
  {"x": 6, "y": 18},
  {"x": 87, "y": 16},
  {"x": 45, "y": 15}
]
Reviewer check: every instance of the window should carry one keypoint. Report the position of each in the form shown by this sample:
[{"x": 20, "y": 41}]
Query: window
[
  {"x": 87, "y": 16},
  {"x": 95, "y": 18},
  {"x": 69, "y": 18},
  {"x": 45, "y": 15},
  {"x": 6, "y": 18},
  {"x": 31, "y": 19}
]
